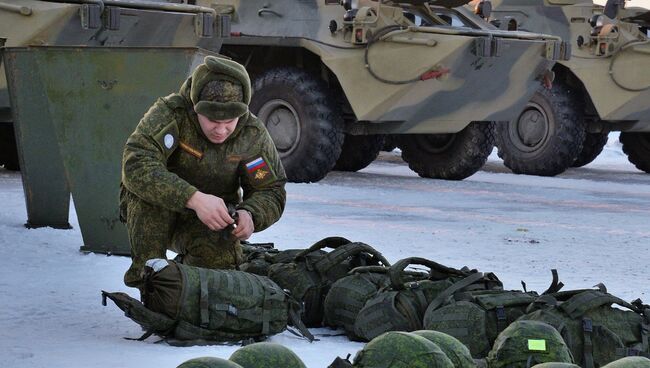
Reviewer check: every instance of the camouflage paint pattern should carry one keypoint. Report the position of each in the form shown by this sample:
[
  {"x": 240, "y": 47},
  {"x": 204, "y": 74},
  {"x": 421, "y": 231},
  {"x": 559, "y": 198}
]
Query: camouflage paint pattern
[
  {"x": 168, "y": 158},
  {"x": 208, "y": 362},
  {"x": 513, "y": 347},
  {"x": 401, "y": 350},
  {"x": 630, "y": 362},
  {"x": 455, "y": 350},
  {"x": 617, "y": 82},
  {"x": 266, "y": 355},
  {"x": 556, "y": 365},
  {"x": 471, "y": 86}
]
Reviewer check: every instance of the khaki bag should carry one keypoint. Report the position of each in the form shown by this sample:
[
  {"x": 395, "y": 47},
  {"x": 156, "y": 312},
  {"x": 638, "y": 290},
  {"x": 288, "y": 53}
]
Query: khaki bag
[
  {"x": 311, "y": 273},
  {"x": 401, "y": 306},
  {"x": 190, "y": 305}
]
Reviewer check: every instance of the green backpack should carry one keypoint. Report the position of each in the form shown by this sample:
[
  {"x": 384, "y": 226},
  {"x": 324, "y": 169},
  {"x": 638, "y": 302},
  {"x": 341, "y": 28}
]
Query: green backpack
[
  {"x": 258, "y": 257},
  {"x": 311, "y": 273},
  {"x": 189, "y": 305},
  {"x": 401, "y": 305},
  {"x": 596, "y": 333},
  {"x": 348, "y": 295},
  {"x": 476, "y": 318}
]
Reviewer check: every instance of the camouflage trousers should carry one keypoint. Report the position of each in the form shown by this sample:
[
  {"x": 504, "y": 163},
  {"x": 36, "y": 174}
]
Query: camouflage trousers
[{"x": 153, "y": 230}]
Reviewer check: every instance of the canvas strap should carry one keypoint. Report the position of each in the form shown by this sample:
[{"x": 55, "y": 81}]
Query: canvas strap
[
  {"x": 204, "y": 300},
  {"x": 442, "y": 297},
  {"x": 588, "y": 346}
]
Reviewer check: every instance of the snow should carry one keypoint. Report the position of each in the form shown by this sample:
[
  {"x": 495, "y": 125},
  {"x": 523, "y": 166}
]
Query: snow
[{"x": 590, "y": 223}]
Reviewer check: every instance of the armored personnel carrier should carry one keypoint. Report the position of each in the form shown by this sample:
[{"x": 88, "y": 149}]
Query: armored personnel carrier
[
  {"x": 97, "y": 23},
  {"x": 332, "y": 77},
  {"x": 605, "y": 86}
]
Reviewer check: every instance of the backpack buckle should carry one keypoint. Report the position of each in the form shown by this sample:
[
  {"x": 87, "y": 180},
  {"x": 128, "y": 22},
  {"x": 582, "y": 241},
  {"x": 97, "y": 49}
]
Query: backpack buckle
[
  {"x": 232, "y": 310},
  {"x": 587, "y": 325}
]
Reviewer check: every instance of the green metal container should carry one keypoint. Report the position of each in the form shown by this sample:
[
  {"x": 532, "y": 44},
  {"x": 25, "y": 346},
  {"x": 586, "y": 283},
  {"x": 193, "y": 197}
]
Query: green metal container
[{"x": 74, "y": 108}]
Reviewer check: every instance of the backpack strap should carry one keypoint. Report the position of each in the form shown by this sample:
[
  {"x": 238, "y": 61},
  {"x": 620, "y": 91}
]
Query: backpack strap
[
  {"x": 555, "y": 286},
  {"x": 329, "y": 242},
  {"x": 585, "y": 301},
  {"x": 440, "y": 299},
  {"x": 436, "y": 270},
  {"x": 588, "y": 345},
  {"x": 341, "y": 253},
  {"x": 152, "y": 322}
]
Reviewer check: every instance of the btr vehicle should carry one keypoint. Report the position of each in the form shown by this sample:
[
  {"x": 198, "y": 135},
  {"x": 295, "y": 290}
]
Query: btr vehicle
[
  {"x": 605, "y": 86},
  {"x": 332, "y": 78}
]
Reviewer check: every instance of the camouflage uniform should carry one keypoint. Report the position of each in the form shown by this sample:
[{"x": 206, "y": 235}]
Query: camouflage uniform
[{"x": 168, "y": 158}]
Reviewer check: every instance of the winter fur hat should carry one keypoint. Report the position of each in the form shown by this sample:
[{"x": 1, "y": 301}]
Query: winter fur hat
[{"x": 229, "y": 89}]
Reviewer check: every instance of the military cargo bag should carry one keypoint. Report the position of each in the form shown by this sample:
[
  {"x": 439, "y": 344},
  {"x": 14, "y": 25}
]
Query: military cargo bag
[
  {"x": 476, "y": 318},
  {"x": 310, "y": 275},
  {"x": 401, "y": 306},
  {"x": 596, "y": 332},
  {"x": 348, "y": 295},
  {"x": 190, "y": 305},
  {"x": 258, "y": 257}
]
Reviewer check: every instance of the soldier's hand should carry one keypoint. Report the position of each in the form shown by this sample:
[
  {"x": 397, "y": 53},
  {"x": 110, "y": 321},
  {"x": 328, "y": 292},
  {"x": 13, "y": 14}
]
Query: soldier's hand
[
  {"x": 210, "y": 209},
  {"x": 245, "y": 226}
]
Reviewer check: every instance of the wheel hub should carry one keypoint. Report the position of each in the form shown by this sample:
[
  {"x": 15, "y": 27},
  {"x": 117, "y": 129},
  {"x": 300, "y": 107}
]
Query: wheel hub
[
  {"x": 435, "y": 143},
  {"x": 283, "y": 124},
  {"x": 531, "y": 129}
]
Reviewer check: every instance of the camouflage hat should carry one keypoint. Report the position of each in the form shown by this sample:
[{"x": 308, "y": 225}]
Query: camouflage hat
[
  {"x": 630, "y": 362},
  {"x": 524, "y": 343},
  {"x": 397, "y": 349},
  {"x": 221, "y": 89},
  {"x": 455, "y": 350},
  {"x": 556, "y": 365},
  {"x": 208, "y": 362},
  {"x": 266, "y": 355}
]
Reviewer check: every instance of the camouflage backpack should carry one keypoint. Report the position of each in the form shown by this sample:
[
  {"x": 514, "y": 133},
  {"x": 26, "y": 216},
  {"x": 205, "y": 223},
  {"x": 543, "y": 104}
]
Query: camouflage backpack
[
  {"x": 348, "y": 295},
  {"x": 258, "y": 257},
  {"x": 190, "y": 305},
  {"x": 477, "y": 317},
  {"x": 401, "y": 306},
  {"x": 595, "y": 332},
  {"x": 311, "y": 273}
]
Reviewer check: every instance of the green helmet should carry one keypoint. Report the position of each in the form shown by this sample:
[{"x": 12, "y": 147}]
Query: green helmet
[
  {"x": 455, "y": 350},
  {"x": 556, "y": 365},
  {"x": 266, "y": 355},
  {"x": 398, "y": 349},
  {"x": 525, "y": 343},
  {"x": 208, "y": 362},
  {"x": 630, "y": 362}
]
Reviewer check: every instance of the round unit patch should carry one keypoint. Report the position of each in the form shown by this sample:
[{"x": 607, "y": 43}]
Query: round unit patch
[{"x": 169, "y": 141}]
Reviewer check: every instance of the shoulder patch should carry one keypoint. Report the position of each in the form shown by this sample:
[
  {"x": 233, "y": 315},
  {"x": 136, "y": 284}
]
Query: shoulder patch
[
  {"x": 258, "y": 171},
  {"x": 167, "y": 138}
]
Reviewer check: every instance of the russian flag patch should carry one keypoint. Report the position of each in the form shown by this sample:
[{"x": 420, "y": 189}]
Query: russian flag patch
[{"x": 256, "y": 164}]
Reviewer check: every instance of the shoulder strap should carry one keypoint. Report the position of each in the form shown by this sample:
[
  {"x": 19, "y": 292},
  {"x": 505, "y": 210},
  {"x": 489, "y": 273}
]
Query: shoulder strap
[
  {"x": 397, "y": 270},
  {"x": 341, "y": 253},
  {"x": 556, "y": 285},
  {"x": 581, "y": 303},
  {"x": 329, "y": 242},
  {"x": 440, "y": 299}
]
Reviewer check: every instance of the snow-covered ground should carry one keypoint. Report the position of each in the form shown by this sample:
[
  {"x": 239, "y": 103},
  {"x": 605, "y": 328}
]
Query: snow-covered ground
[{"x": 589, "y": 223}]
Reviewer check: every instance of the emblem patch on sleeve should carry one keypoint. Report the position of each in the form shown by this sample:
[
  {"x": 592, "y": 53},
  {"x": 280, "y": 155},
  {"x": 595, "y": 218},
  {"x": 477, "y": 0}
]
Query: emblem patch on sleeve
[{"x": 259, "y": 171}]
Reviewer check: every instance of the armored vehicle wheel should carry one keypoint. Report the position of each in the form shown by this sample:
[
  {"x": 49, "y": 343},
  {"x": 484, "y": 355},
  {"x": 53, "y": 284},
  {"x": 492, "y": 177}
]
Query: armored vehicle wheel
[
  {"x": 359, "y": 151},
  {"x": 303, "y": 119},
  {"x": 637, "y": 148},
  {"x": 591, "y": 148},
  {"x": 448, "y": 156},
  {"x": 548, "y": 135},
  {"x": 8, "y": 150}
]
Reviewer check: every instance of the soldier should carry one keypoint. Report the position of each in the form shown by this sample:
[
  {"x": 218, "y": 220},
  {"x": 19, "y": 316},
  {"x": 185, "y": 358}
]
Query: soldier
[{"x": 197, "y": 159}]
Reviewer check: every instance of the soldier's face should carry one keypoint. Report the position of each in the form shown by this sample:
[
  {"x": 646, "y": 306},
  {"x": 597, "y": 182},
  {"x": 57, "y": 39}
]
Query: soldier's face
[{"x": 217, "y": 131}]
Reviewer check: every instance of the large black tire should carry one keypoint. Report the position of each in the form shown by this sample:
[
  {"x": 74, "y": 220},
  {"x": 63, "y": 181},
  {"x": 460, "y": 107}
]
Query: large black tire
[
  {"x": 448, "y": 156},
  {"x": 591, "y": 148},
  {"x": 359, "y": 151},
  {"x": 303, "y": 119},
  {"x": 389, "y": 143},
  {"x": 8, "y": 148},
  {"x": 547, "y": 136},
  {"x": 637, "y": 148}
]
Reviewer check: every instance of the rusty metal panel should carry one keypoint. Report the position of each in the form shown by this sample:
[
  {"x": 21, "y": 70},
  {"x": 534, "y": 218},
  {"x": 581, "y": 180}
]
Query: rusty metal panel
[{"x": 94, "y": 98}]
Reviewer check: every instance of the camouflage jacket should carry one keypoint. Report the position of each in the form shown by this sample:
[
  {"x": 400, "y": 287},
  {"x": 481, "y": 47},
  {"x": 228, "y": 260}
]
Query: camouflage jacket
[{"x": 168, "y": 158}]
